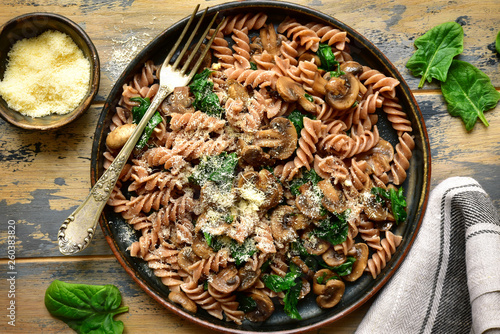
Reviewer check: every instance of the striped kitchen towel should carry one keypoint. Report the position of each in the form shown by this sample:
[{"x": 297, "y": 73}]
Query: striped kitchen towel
[{"x": 450, "y": 279}]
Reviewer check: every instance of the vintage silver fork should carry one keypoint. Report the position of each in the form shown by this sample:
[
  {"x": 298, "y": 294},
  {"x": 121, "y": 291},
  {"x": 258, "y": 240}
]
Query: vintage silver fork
[{"x": 78, "y": 229}]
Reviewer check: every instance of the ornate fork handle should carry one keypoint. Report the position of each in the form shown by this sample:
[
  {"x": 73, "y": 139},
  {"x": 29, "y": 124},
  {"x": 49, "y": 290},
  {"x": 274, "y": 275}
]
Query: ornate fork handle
[{"x": 78, "y": 229}]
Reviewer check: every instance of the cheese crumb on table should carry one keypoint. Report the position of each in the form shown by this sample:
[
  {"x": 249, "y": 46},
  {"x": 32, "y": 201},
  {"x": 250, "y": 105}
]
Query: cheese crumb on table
[{"x": 47, "y": 74}]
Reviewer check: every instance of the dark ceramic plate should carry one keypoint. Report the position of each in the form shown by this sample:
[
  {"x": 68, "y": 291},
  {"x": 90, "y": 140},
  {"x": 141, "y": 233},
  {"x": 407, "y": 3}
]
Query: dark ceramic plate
[{"x": 119, "y": 235}]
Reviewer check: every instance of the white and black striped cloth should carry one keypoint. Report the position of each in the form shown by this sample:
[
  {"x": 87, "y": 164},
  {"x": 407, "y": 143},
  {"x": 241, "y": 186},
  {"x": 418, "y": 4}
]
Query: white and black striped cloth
[{"x": 450, "y": 279}]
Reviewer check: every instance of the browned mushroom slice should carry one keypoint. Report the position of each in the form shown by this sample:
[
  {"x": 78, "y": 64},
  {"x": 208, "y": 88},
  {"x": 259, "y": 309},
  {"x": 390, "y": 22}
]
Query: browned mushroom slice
[
  {"x": 280, "y": 228},
  {"x": 332, "y": 294},
  {"x": 291, "y": 91},
  {"x": 226, "y": 280},
  {"x": 376, "y": 210},
  {"x": 333, "y": 258},
  {"x": 379, "y": 157},
  {"x": 180, "y": 298},
  {"x": 265, "y": 308},
  {"x": 248, "y": 276},
  {"x": 186, "y": 258},
  {"x": 265, "y": 182},
  {"x": 321, "y": 277},
  {"x": 319, "y": 84},
  {"x": 352, "y": 67},
  {"x": 255, "y": 156},
  {"x": 299, "y": 222},
  {"x": 305, "y": 289},
  {"x": 310, "y": 56},
  {"x": 237, "y": 92},
  {"x": 201, "y": 248},
  {"x": 313, "y": 244},
  {"x": 342, "y": 91},
  {"x": 179, "y": 102},
  {"x": 333, "y": 198},
  {"x": 280, "y": 138},
  {"x": 359, "y": 266},
  {"x": 309, "y": 202}
]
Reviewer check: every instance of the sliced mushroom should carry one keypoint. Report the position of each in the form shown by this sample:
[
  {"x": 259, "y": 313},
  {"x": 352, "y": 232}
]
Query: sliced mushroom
[
  {"x": 333, "y": 258},
  {"x": 379, "y": 157},
  {"x": 321, "y": 277},
  {"x": 342, "y": 91},
  {"x": 305, "y": 289},
  {"x": 303, "y": 266},
  {"x": 266, "y": 182},
  {"x": 332, "y": 294},
  {"x": 280, "y": 138},
  {"x": 291, "y": 91},
  {"x": 319, "y": 84},
  {"x": 119, "y": 136},
  {"x": 299, "y": 222},
  {"x": 265, "y": 308},
  {"x": 226, "y": 280},
  {"x": 359, "y": 266},
  {"x": 255, "y": 156},
  {"x": 201, "y": 248},
  {"x": 180, "y": 298},
  {"x": 186, "y": 258},
  {"x": 352, "y": 67},
  {"x": 248, "y": 276},
  {"x": 375, "y": 210},
  {"x": 309, "y": 202},
  {"x": 310, "y": 56},
  {"x": 236, "y": 91},
  {"x": 280, "y": 228},
  {"x": 313, "y": 244},
  {"x": 333, "y": 198},
  {"x": 179, "y": 102}
]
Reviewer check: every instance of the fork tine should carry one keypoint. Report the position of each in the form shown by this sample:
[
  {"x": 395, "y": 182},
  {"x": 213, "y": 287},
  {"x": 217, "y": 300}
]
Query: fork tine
[
  {"x": 190, "y": 39},
  {"x": 195, "y": 50},
  {"x": 179, "y": 40},
  {"x": 207, "y": 47}
]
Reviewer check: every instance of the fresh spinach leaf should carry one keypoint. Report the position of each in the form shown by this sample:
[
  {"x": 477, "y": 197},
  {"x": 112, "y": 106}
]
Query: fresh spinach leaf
[
  {"x": 245, "y": 303},
  {"x": 138, "y": 113},
  {"x": 468, "y": 93},
  {"x": 497, "y": 42},
  {"x": 333, "y": 229},
  {"x": 297, "y": 118},
  {"x": 86, "y": 308},
  {"x": 291, "y": 299},
  {"x": 291, "y": 284},
  {"x": 346, "y": 267},
  {"x": 435, "y": 51},
  {"x": 240, "y": 253},
  {"x": 217, "y": 168},
  {"x": 253, "y": 66},
  {"x": 148, "y": 130},
  {"x": 328, "y": 61},
  {"x": 307, "y": 176},
  {"x": 204, "y": 97},
  {"x": 397, "y": 199}
]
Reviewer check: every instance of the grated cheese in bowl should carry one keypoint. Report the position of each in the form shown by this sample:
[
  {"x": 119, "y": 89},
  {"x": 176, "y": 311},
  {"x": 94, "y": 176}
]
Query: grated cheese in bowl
[{"x": 47, "y": 74}]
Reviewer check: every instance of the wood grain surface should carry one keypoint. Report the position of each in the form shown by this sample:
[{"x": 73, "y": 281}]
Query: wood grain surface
[{"x": 45, "y": 175}]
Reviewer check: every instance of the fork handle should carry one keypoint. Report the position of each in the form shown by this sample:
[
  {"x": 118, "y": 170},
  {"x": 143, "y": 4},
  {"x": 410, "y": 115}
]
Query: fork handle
[{"x": 78, "y": 229}]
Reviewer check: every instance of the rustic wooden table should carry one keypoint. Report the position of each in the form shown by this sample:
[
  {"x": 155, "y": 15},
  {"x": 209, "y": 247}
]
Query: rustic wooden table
[{"x": 44, "y": 176}]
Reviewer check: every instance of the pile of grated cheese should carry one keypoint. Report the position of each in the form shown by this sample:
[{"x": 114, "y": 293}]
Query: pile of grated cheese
[{"x": 47, "y": 74}]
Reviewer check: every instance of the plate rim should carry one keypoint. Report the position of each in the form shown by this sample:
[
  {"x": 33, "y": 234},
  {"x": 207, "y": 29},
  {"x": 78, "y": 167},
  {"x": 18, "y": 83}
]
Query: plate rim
[{"x": 419, "y": 127}]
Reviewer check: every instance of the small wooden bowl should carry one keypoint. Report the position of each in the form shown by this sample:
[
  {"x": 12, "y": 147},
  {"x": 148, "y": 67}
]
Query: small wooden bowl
[{"x": 32, "y": 25}]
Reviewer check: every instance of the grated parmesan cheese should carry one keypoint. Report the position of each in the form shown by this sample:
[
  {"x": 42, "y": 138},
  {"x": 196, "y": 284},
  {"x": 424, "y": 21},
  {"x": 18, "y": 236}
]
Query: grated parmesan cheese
[{"x": 47, "y": 74}]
